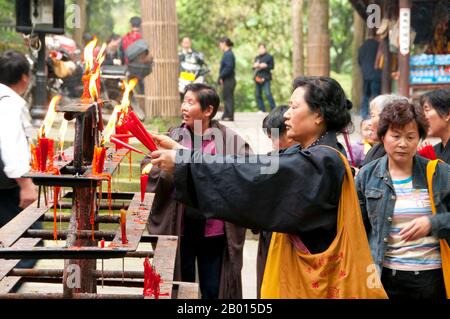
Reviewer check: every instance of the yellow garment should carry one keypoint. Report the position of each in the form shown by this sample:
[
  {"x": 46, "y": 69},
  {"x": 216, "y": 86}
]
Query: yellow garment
[
  {"x": 367, "y": 147},
  {"x": 344, "y": 270},
  {"x": 445, "y": 249}
]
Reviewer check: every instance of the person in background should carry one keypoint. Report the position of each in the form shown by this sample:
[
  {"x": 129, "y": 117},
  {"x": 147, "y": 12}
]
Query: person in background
[
  {"x": 371, "y": 76},
  {"x": 274, "y": 127},
  {"x": 376, "y": 106},
  {"x": 131, "y": 37},
  {"x": 227, "y": 78},
  {"x": 263, "y": 67},
  {"x": 436, "y": 105},
  {"x": 361, "y": 148},
  {"x": 395, "y": 204},
  {"x": 112, "y": 50},
  {"x": 187, "y": 54},
  {"x": 16, "y": 193},
  {"x": 212, "y": 247}
]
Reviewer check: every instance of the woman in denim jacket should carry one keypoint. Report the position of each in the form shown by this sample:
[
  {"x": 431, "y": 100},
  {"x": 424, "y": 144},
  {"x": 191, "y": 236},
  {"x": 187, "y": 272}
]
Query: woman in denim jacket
[{"x": 393, "y": 193}]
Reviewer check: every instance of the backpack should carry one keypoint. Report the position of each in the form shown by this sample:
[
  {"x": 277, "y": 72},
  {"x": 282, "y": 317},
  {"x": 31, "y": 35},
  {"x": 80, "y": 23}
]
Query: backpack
[{"x": 139, "y": 60}]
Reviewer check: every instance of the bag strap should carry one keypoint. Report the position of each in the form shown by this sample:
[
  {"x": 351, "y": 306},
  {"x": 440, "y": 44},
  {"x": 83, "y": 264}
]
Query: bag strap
[{"x": 431, "y": 169}]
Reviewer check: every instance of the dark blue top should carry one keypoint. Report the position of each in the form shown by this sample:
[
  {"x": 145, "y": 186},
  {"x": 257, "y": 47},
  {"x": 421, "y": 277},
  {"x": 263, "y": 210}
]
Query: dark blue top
[
  {"x": 227, "y": 65},
  {"x": 366, "y": 59}
]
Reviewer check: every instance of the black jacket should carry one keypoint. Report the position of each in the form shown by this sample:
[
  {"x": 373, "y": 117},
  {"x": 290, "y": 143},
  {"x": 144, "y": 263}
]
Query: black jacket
[
  {"x": 366, "y": 59},
  {"x": 267, "y": 59},
  {"x": 442, "y": 152},
  {"x": 302, "y": 197},
  {"x": 374, "y": 153},
  {"x": 227, "y": 65}
]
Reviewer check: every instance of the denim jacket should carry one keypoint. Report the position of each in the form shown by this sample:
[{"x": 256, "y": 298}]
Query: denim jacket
[{"x": 377, "y": 200}]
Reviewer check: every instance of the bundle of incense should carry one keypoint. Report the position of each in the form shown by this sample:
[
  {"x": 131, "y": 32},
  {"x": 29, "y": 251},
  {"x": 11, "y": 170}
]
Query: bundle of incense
[
  {"x": 132, "y": 124},
  {"x": 427, "y": 151}
]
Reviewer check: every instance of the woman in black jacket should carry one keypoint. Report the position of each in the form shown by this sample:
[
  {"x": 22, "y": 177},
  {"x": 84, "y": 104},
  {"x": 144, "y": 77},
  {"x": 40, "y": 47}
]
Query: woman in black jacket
[
  {"x": 296, "y": 191},
  {"x": 226, "y": 77}
]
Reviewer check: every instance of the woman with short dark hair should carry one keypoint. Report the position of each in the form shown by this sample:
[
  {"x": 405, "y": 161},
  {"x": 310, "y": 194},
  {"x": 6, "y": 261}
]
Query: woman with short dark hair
[
  {"x": 395, "y": 203},
  {"x": 210, "y": 247},
  {"x": 295, "y": 193},
  {"x": 436, "y": 105}
]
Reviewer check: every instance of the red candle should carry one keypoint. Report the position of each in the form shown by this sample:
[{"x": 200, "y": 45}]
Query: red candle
[
  {"x": 101, "y": 160},
  {"x": 123, "y": 225},
  {"x": 43, "y": 147},
  {"x": 144, "y": 180},
  {"x": 102, "y": 243}
]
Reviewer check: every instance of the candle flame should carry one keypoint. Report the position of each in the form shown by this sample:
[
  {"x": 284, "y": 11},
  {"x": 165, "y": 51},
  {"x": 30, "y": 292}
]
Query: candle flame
[
  {"x": 147, "y": 169},
  {"x": 129, "y": 86},
  {"x": 49, "y": 117},
  {"x": 62, "y": 134},
  {"x": 89, "y": 55},
  {"x": 122, "y": 107},
  {"x": 93, "y": 85}
]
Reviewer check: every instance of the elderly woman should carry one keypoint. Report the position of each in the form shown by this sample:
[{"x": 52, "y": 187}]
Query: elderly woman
[
  {"x": 295, "y": 193},
  {"x": 247, "y": 192},
  {"x": 376, "y": 106},
  {"x": 436, "y": 105},
  {"x": 209, "y": 247},
  {"x": 395, "y": 203}
]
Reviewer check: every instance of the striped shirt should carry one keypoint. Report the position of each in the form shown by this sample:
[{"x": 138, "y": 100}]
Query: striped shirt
[{"x": 416, "y": 255}]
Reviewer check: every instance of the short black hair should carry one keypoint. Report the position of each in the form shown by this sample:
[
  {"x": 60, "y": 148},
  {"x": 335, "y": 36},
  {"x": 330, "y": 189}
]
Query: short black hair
[
  {"x": 13, "y": 65},
  {"x": 206, "y": 96},
  {"x": 438, "y": 100},
  {"x": 227, "y": 41},
  {"x": 326, "y": 96},
  {"x": 136, "y": 22},
  {"x": 399, "y": 114},
  {"x": 275, "y": 120}
]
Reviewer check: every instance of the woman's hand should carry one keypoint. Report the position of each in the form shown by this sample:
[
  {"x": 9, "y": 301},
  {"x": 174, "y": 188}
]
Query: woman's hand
[
  {"x": 165, "y": 142},
  {"x": 164, "y": 159},
  {"x": 417, "y": 228}
]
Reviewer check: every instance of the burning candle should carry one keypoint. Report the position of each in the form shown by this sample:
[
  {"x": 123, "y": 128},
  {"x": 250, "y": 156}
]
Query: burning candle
[
  {"x": 144, "y": 180},
  {"x": 98, "y": 161},
  {"x": 123, "y": 225}
]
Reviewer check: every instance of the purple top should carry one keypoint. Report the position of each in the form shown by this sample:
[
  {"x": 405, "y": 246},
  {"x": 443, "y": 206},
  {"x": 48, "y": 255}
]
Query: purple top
[{"x": 213, "y": 227}]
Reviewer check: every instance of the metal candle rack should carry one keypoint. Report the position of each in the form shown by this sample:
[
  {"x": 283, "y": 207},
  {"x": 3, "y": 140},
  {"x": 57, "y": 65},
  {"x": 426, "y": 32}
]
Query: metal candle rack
[{"x": 18, "y": 240}]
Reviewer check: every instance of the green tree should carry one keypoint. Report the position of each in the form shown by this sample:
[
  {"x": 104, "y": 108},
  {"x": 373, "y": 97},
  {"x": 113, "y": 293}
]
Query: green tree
[{"x": 341, "y": 24}]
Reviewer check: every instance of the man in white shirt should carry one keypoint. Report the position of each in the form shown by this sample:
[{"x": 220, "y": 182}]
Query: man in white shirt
[{"x": 16, "y": 193}]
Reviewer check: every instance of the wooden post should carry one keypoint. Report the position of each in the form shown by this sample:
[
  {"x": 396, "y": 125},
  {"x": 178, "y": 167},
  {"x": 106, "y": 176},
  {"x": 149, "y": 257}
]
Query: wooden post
[
  {"x": 159, "y": 23},
  {"x": 403, "y": 54},
  {"x": 79, "y": 273},
  {"x": 297, "y": 36},
  {"x": 318, "y": 38},
  {"x": 357, "y": 81},
  {"x": 386, "y": 82}
]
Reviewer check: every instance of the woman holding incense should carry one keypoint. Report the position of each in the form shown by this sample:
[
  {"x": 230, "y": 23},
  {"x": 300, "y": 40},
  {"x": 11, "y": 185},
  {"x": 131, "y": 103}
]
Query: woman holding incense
[
  {"x": 216, "y": 245},
  {"x": 436, "y": 105},
  {"x": 296, "y": 193},
  {"x": 308, "y": 177}
]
